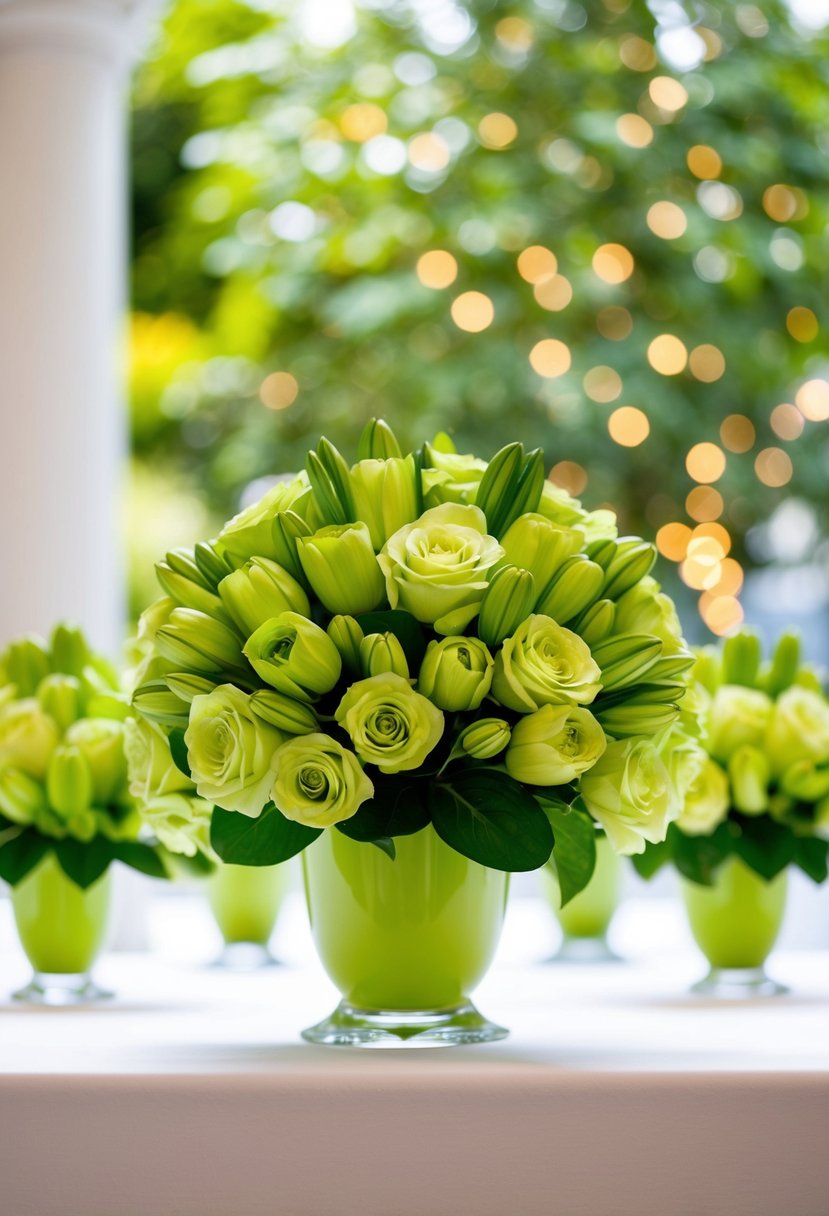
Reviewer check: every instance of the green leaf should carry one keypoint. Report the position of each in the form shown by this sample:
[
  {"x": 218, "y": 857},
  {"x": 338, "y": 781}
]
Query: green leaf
[
  {"x": 264, "y": 841},
  {"x": 699, "y": 857},
  {"x": 386, "y": 845},
  {"x": 654, "y": 858},
  {"x": 574, "y": 851},
  {"x": 765, "y": 845},
  {"x": 405, "y": 628},
  {"x": 810, "y": 854},
  {"x": 398, "y": 808},
  {"x": 21, "y": 854},
  {"x": 141, "y": 857},
  {"x": 178, "y": 750},
  {"x": 490, "y": 818},
  {"x": 84, "y": 861}
]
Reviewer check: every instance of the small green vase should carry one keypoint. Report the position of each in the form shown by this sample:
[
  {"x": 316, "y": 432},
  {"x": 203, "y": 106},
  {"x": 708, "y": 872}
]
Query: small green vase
[
  {"x": 404, "y": 940},
  {"x": 61, "y": 928},
  {"x": 245, "y": 902},
  {"x": 585, "y": 920},
  {"x": 735, "y": 923}
]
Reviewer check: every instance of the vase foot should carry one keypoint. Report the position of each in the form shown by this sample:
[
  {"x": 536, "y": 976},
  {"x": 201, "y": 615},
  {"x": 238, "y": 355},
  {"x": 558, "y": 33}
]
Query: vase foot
[
  {"x": 245, "y": 956},
  {"x": 738, "y": 983},
  {"x": 584, "y": 950},
  {"x": 56, "y": 990},
  {"x": 350, "y": 1026}
]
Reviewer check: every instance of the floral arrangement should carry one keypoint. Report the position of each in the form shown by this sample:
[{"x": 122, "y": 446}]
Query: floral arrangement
[
  {"x": 415, "y": 639},
  {"x": 763, "y": 792},
  {"x": 63, "y": 769}
]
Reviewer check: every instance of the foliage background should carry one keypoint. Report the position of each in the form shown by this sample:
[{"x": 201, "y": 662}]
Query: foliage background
[{"x": 292, "y": 161}]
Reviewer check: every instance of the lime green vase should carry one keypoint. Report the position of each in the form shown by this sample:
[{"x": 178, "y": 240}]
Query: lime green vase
[
  {"x": 245, "y": 902},
  {"x": 586, "y": 918},
  {"x": 735, "y": 922},
  {"x": 405, "y": 940},
  {"x": 61, "y": 928}
]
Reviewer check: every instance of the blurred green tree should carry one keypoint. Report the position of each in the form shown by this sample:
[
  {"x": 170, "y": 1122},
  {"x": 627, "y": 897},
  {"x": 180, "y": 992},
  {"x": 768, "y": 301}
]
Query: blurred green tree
[{"x": 595, "y": 226}]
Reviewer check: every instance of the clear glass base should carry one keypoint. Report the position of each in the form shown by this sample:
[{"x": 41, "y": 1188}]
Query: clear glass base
[
  {"x": 738, "y": 983},
  {"x": 245, "y": 956},
  {"x": 584, "y": 950},
  {"x": 49, "y": 989},
  {"x": 349, "y": 1026}
]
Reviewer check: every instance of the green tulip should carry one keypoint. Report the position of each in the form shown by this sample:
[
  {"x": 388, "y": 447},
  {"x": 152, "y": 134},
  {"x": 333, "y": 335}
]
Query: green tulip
[
  {"x": 69, "y": 782},
  {"x": 182, "y": 580},
  {"x": 317, "y": 782},
  {"x": 456, "y": 673},
  {"x": 382, "y": 652},
  {"x": 389, "y": 723},
  {"x": 198, "y": 643},
  {"x": 250, "y": 533},
  {"x": 287, "y": 528},
  {"x": 540, "y": 546},
  {"x": 596, "y": 623},
  {"x": 21, "y": 797},
  {"x": 378, "y": 441},
  {"x": 70, "y": 653},
  {"x": 573, "y": 588},
  {"x": 61, "y": 698},
  {"x": 347, "y": 636},
  {"x": 294, "y": 656},
  {"x": 750, "y": 775},
  {"x": 26, "y": 663},
  {"x": 484, "y": 739},
  {"x": 554, "y": 745},
  {"x": 625, "y": 660},
  {"x": 544, "y": 664},
  {"x": 101, "y": 743},
  {"x": 507, "y": 601},
  {"x": 187, "y": 686},
  {"x": 292, "y": 717},
  {"x": 230, "y": 750},
  {"x": 340, "y": 565},
  {"x": 260, "y": 590},
  {"x": 385, "y": 496},
  {"x": 634, "y": 717},
  {"x": 156, "y": 702},
  {"x": 632, "y": 560}
]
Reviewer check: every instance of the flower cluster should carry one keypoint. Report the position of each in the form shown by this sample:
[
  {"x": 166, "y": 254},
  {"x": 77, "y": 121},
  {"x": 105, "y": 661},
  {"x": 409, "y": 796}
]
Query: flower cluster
[
  {"x": 763, "y": 792},
  {"x": 63, "y": 769},
  {"x": 381, "y": 634}
]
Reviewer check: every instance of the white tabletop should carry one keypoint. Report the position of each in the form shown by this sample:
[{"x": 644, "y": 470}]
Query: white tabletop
[{"x": 617, "y": 1092}]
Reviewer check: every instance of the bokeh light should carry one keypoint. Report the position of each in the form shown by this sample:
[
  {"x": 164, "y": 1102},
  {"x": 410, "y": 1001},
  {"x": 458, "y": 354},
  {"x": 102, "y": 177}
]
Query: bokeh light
[
  {"x": 787, "y": 422},
  {"x": 784, "y": 203},
  {"x": 634, "y": 130},
  {"x": 706, "y": 363},
  {"x": 705, "y": 462},
  {"x": 672, "y": 541},
  {"x": 553, "y": 292},
  {"x": 667, "y": 355},
  {"x": 704, "y": 162},
  {"x": 704, "y": 503},
  {"x": 437, "y": 268},
  {"x": 737, "y": 433},
  {"x": 602, "y": 384},
  {"x": 667, "y": 220},
  {"x": 362, "y": 122},
  {"x": 812, "y": 399},
  {"x": 429, "y": 152},
  {"x": 613, "y": 263},
  {"x": 637, "y": 54},
  {"x": 628, "y": 426},
  {"x": 667, "y": 93},
  {"x": 278, "y": 390},
  {"x": 802, "y": 324},
  {"x": 722, "y": 614},
  {"x": 550, "y": 358},
  {"x": 536, "y": 262},
  {"x": 570, "y": 476},
  {"x": 472, "y": 311},
  {"x": 497, "y": 131},
  {"x": 614, "y": 323},
  {"x": 773, "y": 467}
]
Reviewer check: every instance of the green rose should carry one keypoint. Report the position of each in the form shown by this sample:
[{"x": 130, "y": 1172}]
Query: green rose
[
  {"x": 260, "y": 590},
  {"x": 544, "y": 664},
  {"x": 484, "y": 739},
  {"x": 737, "y": 716},
  {"x": 152, "y": 773},
  {"x": 645, "y": 609},
  {"x": 28, "y": 736},
  {"x": 231, "y": 750},
  {"x": 456, "y": 673},
  {"x": 554, "y": 745},
  {"x": 250, "y": 533},
  {"x": 451, "y": 477},
  {"x": 798, "y": 729},
  {"x": 294, "y": 656},
  {"x": 101, "y": 743},
  {"x": 385, "y": 495},
  {"x": 340, "y": 564},
  {"x": 556, "y": 504},
  {"x": 389, "y": 723},
  {"x": 180, "y": 823},
  {"x": 706, "y": 802},
  {"x": 629, "y": 791},
  {"x": 438, "y": 567},
  {"x": 317, "y": 782}
]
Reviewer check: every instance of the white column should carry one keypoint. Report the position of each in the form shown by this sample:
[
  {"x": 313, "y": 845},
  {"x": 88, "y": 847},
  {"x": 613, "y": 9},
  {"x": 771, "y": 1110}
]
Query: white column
[{"x": 62, "y": 292}]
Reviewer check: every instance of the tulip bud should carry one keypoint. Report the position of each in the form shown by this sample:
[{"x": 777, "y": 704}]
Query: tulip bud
[
  {"x": 510, "y": 487},
  {"x": 484, "y": 739},
  {"x": 196, "y": 642},
  {"x": 805, "y": 781},
  {"x": 381, "y": 653},
  {"x": 26, "y": 663},
  {"x": 456, "y": 673},
  {"x": 68, "y": 781},
  {"x": 741, "y": 655},
  {"x": 627, "y": 720},
  {"x": 61, "y": 698},
  {"x": 331, "y": 482},
  {"x": 70, "y": 653},
  {"x": 158, "y": 703},
  {"x": 596, "y": 623},
  {"x": 182, "y": 580},
  {"x": 259, "y": 591},
  {"x": 378, "y": 441},
  {"x": 286, "y": 530},
  {"x": 624, "y": 660},
  {"x": 21, "y": 797},
  {"x": 631, "y": 562},
  {"x": 292, "y": 717},
  {"x": 385, "y": 496},
  {"x": 750, "y": 774},
  {"x": 294, "y": 656},
  {"x": 212, "y": 563},
  {"x": 573, "y": 588},
  {"x": 186, "y": 687},
  {"x": 101, "y": 743},
  {"x": 540, "y": 546},
  {"x": 784, "y": 664},
  {"x": 347, "y": 636},
  {"x": 507, "y": 601},
  {"x": 707, "y": 669},
  {"x": 340, "y": 564}
]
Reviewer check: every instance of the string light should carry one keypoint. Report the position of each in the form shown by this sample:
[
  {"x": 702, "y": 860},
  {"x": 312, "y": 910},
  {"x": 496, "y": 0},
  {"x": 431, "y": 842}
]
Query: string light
[
  {"x": 550, "y": 358},
  {"x": 278, "y": 390},
  {"x": 437, "y": 268},
  {"x": 628, "y": 426},
  {"x": 704, "y": 503},
  {"x": 672, "y": 541},
  {"x": 472, "y": 311}
]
